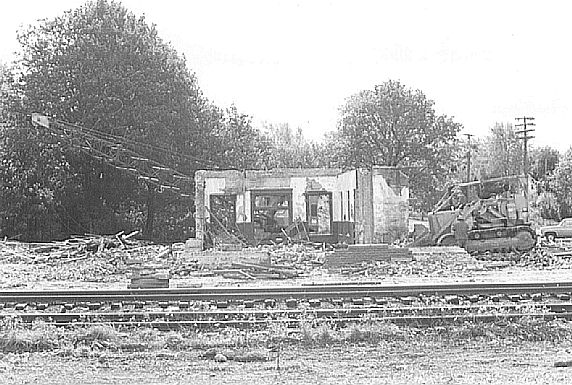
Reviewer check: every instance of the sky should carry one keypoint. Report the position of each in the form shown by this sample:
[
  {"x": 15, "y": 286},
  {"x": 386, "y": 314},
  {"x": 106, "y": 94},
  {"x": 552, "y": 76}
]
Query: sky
[{"x": 297, "y": 61}]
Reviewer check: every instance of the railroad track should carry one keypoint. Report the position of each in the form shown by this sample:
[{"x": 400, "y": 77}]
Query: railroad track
[
  {"x": 217, "y": 307},
  {"x": 281, "y": 292}
]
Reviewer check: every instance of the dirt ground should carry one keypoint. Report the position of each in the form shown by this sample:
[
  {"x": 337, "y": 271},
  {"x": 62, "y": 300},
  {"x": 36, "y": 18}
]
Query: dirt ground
[
  {"x": 477, "y": 362},
  {"x": 387, "y": 363},
  {"x": 31, "y": 277}
]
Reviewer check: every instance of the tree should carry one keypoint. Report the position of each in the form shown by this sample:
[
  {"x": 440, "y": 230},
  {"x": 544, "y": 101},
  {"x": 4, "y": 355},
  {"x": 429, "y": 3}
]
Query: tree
[
  {"x": 561, "y": 183},
  {"x": 501, "y": 153},
  {"x": 393, "y": 125},
  {"x": 236, "y": 143},
  {"x": 544, "y": 161},
  {"x": 33, "y": 179},
  {"x": 290, "y": 149},
  {"x": 101, "y": 67}
]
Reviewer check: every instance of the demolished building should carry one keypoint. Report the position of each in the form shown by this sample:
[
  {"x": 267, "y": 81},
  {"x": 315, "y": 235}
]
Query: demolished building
[{"x": 315, "y": 205}]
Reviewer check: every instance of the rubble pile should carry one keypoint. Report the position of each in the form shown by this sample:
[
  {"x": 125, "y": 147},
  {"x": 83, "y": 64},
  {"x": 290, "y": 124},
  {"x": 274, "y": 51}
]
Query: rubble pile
[
  {"x": 88, "y": 258},
  {"x": 258, "y": 271},
  {"x": 69, "y": 250},
  {"x": 547, "y": 258},
  {"x": 264, "y": 262},
  {"x": 417, "y": 268},
  {"x": 540, "y": 257},
  {"x": 302, "y": 257}
]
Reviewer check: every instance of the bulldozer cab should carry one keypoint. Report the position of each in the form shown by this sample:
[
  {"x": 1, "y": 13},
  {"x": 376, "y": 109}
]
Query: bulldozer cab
[{"x": 499, "y": 202}]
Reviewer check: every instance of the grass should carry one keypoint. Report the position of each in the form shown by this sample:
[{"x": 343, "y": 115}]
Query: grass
[
  {"x": 18, "y": 337},
  {"x": 100, "y": 333}
]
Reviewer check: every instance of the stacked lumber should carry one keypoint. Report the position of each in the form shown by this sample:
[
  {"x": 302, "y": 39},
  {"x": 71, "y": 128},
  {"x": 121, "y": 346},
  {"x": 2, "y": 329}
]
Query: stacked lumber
[{"x": 358, "y": 254}]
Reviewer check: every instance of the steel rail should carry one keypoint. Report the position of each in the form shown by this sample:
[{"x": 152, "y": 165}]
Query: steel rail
[
  {"x": 316, "y": 313},
  {"x": 282, "y": 292},
  {"x": 252, "y": 323}
]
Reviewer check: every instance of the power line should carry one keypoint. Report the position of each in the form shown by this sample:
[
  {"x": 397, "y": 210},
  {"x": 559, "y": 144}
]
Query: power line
[
  {"x": 125, "y": 140},
  {"x": 115, "y": 154}
]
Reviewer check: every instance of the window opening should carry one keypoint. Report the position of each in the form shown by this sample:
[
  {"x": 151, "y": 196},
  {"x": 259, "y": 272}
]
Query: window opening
[
  {"x": 271, "y": 212},
  {"x": 319, "y": 212}
]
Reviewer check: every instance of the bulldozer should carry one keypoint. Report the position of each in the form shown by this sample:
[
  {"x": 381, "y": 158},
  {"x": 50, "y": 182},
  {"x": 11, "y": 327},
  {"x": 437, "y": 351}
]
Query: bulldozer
[{"x": 495, "y": 210}]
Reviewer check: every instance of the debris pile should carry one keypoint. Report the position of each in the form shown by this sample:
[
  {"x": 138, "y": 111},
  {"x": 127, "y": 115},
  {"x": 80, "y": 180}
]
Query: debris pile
[
  {"x": 264, "y": 262},
  {"x": 546, "y": 258},
  {"x": 302, "y": 257},
  {"x": 540, "y": 257},
  {"x": 284, "y": 262},
  {"x": 422, "y": 269},
  {"x": 69, "y": 250},
  {"x": 256, "y": 271},
  {"x": 89, "y": 258},
  {"x": 441, "y": 253}
]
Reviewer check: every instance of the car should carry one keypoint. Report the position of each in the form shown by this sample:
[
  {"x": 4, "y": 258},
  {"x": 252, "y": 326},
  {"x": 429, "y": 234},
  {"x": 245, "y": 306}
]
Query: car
[{"x": 561, "y": 230}]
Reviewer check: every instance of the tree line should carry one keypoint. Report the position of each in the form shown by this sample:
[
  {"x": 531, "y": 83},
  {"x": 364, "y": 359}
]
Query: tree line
[{"x": 102, "y": 67}]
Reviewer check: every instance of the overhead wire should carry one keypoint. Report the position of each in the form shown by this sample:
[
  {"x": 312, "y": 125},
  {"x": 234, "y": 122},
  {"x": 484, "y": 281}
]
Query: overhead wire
[
  {"x": 124, "y": 139},
  {"x": 116, "y": 162}
]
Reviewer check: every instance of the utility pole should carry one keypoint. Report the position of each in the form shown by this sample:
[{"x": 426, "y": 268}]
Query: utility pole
[
  {"x": 526, "y": 123},
  {"x": 469, "y": 136}
]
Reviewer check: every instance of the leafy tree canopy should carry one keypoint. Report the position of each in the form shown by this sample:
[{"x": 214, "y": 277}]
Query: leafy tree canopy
[
  {"x": 500, "y": 153},
  {"x": 543, "y": 161},
  {"x": 103, "y": 68},
  {"x": 393, "y": 125},
  {"x": 290, "y": 149},
  {"x": 562, "y": 184}
]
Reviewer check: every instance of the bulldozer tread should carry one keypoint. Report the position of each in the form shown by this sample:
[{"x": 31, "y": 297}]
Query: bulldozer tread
[{"x": 495, "y": 240}]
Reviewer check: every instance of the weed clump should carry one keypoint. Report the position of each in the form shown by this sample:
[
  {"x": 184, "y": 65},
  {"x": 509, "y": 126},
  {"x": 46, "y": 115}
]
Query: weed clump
[
  {"x": 15, "y": 337},
  {"x": 100, "y": 333}
]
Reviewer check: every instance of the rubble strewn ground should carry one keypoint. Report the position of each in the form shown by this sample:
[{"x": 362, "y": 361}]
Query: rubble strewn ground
[
  {"x": 362, "y": 353},
  {"x": 111, "y": 261}
]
